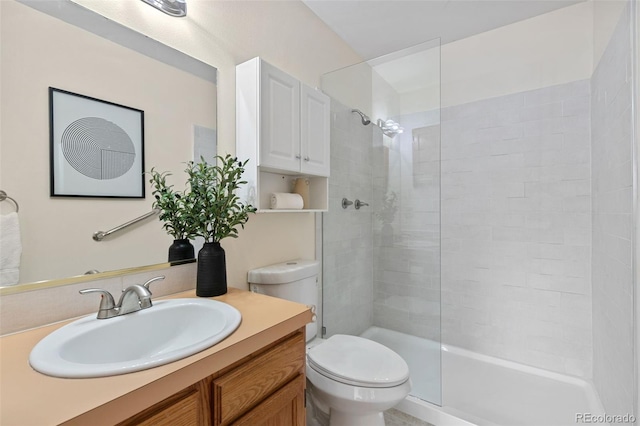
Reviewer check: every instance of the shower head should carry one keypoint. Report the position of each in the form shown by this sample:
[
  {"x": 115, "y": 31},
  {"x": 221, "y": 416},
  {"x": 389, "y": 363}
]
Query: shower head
[{"x": 363, "y": 116}]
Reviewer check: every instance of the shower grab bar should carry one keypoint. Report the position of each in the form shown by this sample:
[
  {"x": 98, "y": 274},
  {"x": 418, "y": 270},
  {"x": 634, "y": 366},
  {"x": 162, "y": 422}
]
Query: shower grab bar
[
  {"x": 4, "y": 196},
  {"x": 99, "y": 235}
]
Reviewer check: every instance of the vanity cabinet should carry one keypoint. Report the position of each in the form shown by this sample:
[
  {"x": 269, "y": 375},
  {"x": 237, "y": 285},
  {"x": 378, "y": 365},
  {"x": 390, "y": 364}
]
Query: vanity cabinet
[
  {"x": 189, "y": 407},
  {"x": 271, "y": 380},
  {"x": 283, "y": 408},
  {"x": 265, "y": 388},
  {"x": 282, "y": 127}
]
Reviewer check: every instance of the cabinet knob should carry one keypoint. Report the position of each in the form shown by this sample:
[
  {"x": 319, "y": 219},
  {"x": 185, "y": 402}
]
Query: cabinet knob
[
  {"x": 306, "y": 158},
  {"x": 298, "y": 156}
]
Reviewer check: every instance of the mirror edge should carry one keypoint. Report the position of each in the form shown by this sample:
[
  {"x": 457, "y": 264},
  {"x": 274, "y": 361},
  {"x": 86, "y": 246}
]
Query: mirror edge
[{"x": 39, "y": 285}]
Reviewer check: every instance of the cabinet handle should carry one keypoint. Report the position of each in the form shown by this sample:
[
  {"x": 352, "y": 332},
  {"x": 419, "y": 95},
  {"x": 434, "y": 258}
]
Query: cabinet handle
[{"x": 306, "y": 158}]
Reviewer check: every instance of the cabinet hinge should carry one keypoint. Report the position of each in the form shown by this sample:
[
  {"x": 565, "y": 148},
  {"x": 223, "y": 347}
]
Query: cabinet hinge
[{"x": 305, "y": 398}]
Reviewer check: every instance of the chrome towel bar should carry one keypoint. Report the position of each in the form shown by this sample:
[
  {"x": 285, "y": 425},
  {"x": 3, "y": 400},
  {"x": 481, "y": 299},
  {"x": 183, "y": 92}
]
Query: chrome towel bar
[{"x": 99, "y": 235}]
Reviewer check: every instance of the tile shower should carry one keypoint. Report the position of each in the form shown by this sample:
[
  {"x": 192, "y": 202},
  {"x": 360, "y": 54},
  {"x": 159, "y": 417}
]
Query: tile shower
[
  {"x": 516, "y": 227},
  {"x": 501, "y": 226}
]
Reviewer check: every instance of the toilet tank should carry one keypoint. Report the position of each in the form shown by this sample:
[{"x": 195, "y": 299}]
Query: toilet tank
[{"x": 296, "y": 280}]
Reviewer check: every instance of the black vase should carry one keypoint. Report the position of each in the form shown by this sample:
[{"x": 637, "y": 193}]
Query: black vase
[
  {"x": 212, "y": 271},
  {"x": 181, "y": 249}
]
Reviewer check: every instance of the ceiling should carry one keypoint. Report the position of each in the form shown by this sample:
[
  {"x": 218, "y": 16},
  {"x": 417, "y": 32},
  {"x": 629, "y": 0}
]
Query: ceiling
[{"x": 377, "y": 27}]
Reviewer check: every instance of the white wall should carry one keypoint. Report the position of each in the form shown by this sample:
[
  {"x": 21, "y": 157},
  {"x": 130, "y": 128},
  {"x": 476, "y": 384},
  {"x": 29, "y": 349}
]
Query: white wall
[
  {"x": 546, "y": 50},
  {"x": 543, "y": 51},
  {"x": 606, "y": 15},
  {"x": 612, "y": 181}
]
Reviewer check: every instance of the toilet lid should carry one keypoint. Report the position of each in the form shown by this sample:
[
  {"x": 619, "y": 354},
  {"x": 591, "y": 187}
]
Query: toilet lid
[{"x": 358, "y": 361}]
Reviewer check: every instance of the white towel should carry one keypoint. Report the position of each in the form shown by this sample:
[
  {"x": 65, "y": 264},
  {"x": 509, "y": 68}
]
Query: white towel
[
  {"x": 286, "y": 201},
  {"x": 10, "y": 249}
]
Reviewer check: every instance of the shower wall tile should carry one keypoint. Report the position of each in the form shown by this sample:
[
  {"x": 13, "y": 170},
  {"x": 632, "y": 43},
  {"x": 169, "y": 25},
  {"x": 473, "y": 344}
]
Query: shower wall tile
[
  {"x": 516, "y": 227},
  {"x": 612, "y": 234},
  {"x": 406, "y": 228},
  {"x": 347, "y": 237}
]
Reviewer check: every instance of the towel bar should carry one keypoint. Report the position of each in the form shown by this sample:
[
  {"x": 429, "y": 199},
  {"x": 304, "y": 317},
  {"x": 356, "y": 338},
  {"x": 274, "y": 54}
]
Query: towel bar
[
  {"x": 4, "y": 196},
  {"x": 99, "y": 235}
]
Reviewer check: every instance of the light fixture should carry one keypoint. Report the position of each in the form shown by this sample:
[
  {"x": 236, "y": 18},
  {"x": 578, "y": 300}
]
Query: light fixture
[{"x": 170, "y": 7}]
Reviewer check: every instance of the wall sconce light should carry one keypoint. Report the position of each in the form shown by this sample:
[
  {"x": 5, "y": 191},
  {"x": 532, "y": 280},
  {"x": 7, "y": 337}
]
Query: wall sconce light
[{"x": 170, "y": 7}]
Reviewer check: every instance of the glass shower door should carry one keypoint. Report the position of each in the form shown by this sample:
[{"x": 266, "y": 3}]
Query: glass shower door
[{"x": 381, "y": 262}]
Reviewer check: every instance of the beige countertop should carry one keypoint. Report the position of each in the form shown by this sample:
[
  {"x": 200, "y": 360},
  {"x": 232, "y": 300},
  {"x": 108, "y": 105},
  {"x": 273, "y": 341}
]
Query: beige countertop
[{"x": 31, "y": 398}]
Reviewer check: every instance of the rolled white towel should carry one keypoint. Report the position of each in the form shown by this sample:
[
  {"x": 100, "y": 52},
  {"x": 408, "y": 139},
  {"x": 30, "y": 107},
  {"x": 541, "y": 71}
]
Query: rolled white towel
[
  {"x": 286, "y": 201},
  {"x": 10, "y": 249}
]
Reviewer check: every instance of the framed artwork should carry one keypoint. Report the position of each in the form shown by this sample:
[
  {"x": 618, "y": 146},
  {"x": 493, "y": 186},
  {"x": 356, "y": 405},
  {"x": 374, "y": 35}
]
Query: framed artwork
[{"x": 96, "y": 147}]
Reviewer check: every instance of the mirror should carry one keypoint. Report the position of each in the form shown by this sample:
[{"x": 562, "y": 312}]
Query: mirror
[{"x": 63, "y": 45}]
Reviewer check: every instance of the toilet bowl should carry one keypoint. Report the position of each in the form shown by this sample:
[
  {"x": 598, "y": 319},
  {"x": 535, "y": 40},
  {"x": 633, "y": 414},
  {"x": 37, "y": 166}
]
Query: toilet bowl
[
  {"x": 349, "y": 378},
  {"x": 355, "y": 379}
]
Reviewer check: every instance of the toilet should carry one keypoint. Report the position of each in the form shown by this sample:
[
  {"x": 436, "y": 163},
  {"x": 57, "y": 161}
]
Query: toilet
[{"x": 349, "y": 378}]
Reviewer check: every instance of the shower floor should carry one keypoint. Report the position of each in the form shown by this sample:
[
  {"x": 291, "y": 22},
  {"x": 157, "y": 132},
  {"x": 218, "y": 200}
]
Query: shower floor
[{"x": 485, "y": 391}]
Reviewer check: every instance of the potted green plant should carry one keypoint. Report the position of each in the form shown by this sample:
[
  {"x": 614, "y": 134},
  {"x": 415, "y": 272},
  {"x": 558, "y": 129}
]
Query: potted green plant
[
  {"x": 216, "y": 212},
  {"x": 173, "y": 213}
]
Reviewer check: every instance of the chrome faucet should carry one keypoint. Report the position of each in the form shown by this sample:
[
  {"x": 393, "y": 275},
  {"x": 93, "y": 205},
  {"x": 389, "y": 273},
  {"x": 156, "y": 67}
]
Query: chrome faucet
[{"x": 134, "y": 298}]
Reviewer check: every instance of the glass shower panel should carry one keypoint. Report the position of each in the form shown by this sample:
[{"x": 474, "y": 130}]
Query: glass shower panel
[{"x": 381, "y": 262}]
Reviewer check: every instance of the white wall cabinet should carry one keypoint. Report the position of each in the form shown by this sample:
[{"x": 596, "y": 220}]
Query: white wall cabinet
[
  {"x": 282, "y": 127},
  {"x": 279, "y": 119},
  {"x": 314, "y": 131}
]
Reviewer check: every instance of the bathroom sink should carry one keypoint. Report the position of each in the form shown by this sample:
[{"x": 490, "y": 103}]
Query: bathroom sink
[{"x": 168, "y": 331}]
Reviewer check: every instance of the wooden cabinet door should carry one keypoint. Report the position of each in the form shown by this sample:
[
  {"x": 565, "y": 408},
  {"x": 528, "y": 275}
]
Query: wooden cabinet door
[
  {"x": 279, "y": 119},
  {"x": 247, "y": 385},
  {"x": 314, "y": 131},
  {"x": 283, "y": 408},
  {"x": 190, "y": 407}
]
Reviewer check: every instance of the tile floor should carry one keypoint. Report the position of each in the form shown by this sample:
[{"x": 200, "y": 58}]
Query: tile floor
[{"x": 392, "y": 417}]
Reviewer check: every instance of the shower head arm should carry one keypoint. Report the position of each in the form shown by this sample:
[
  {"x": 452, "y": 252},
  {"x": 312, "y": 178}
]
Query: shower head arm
[{"x": 365, "y": 119}]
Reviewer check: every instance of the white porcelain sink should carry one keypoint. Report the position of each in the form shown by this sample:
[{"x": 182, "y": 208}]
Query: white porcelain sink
[{"x": 168, "y": 331}]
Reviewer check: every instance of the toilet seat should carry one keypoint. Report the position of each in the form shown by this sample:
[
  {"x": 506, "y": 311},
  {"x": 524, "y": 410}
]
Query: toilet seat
[{"x": 357, "y": 361}]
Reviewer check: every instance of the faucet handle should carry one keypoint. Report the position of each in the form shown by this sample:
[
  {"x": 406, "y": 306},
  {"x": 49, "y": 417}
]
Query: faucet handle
[
  {"x": 106, "y": 301},
  {"x": 360, "y": 204},
  {"x": 148, "y": 283}
]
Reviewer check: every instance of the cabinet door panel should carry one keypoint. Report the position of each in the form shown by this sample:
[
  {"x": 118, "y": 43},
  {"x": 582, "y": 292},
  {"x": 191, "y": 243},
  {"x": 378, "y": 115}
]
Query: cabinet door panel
[
  {"x": 244, "y": 387},
  {"x": 314, "y": 132},
  {"x": 190, "y": 407},
  {"x": 283, "y": 408},
  {"x": 280, "y": 120}
]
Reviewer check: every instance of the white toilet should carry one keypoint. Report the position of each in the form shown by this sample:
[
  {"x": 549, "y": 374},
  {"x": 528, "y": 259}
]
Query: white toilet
[{"x": 350, "y": 378}]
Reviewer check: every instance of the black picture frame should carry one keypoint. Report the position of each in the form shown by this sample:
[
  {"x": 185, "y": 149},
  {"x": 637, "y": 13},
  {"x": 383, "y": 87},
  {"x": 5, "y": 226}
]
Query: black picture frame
[{"x": 96, "y": 147}]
